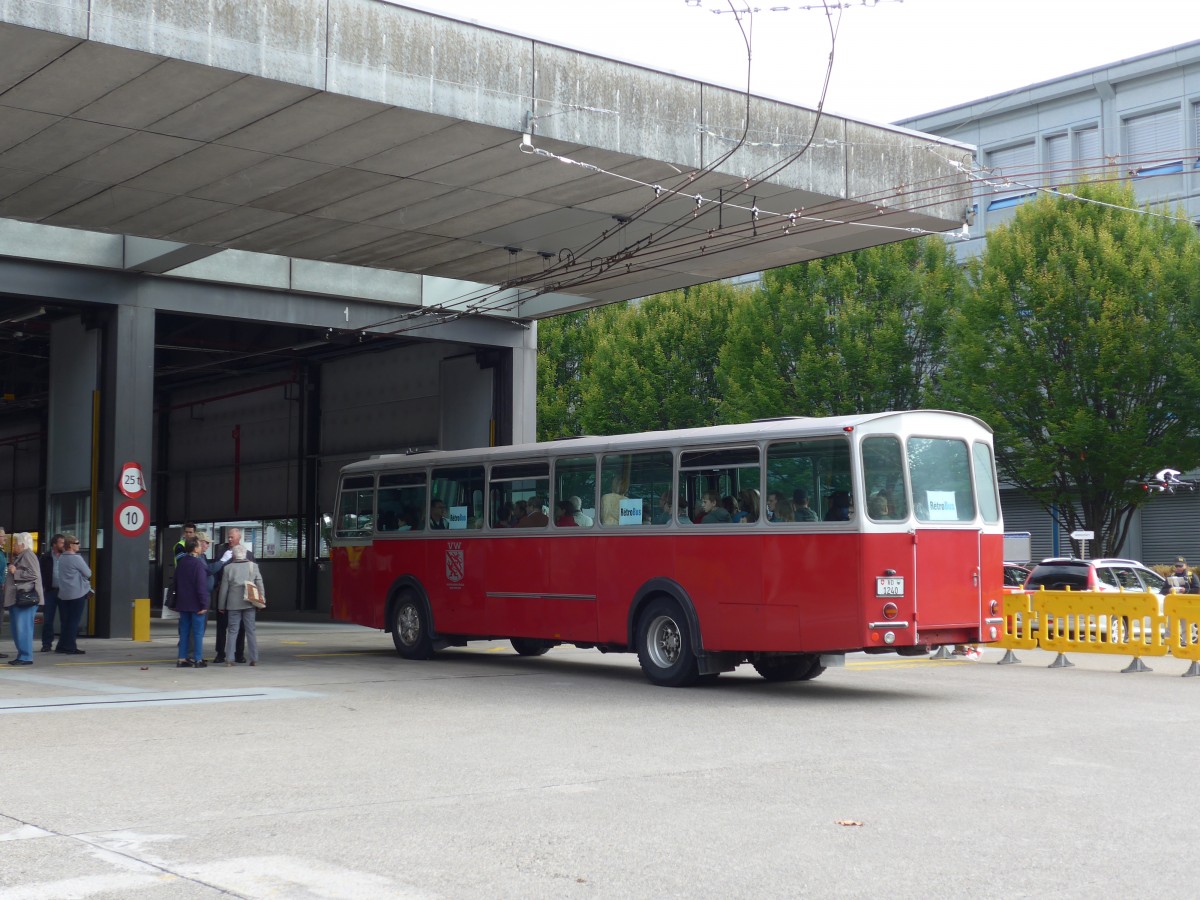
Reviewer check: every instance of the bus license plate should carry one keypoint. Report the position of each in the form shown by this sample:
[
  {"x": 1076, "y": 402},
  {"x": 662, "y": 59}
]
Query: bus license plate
[{"x": 889, "y": 586}]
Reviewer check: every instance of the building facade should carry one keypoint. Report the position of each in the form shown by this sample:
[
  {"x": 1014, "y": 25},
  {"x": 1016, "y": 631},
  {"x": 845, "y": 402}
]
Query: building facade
[{"x": 1139, "y": 118}]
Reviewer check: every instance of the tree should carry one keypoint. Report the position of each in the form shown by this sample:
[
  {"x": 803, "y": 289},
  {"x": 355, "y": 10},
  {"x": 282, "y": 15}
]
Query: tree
[
  {"x": 653, "y": 363},
  {"x": 564, "y": 347},
  {"x": 859, "y": 332},
  {"x": 1080, "y": 348}
]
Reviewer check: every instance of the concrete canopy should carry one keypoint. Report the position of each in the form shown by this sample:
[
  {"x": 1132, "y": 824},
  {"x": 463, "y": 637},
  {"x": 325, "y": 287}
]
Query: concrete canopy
[{"x": 368, "y": 134}]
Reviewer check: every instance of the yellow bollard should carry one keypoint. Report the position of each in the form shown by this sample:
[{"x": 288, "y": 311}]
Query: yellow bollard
[{"x": 141, "y": 619}]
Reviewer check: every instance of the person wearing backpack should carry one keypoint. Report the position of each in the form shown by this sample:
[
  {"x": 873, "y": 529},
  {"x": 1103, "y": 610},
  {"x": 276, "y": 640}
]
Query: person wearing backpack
[{"x": 239, "y": 573}]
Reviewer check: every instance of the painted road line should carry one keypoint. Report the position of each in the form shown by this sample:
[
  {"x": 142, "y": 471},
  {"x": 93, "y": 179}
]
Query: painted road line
[{"x": 165, "y": 698}]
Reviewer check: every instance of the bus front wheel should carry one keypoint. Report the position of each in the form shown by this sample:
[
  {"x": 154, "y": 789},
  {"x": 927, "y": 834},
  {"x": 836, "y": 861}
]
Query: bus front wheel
[
  {"x": 410, "y": 628},
  {"x": 529, "y": 646},
  {"x": 664, "y": 645},
  {"x": 801, "y": 667}
]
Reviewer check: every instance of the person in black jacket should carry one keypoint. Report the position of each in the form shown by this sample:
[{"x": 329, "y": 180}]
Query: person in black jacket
[
  {"x": 1182, "y": 580},
  {"x": 49, "y": 564}
]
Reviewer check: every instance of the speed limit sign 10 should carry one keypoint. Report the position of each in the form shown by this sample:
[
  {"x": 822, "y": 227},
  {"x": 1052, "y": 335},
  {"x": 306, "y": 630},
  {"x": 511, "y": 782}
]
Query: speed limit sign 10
[{"x": 132, "y": 519}]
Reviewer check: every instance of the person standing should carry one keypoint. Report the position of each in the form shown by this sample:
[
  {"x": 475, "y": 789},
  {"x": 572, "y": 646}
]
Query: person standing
[
  {"x": 192, "y": 596},
  {"x": 24, "y": 575},
  {"x": 231, "y": 599},
  {"x": 73, "y": 589},
  {"x": 233, "y": 539},
  {"x": 189, "y": 530},
  {"x": 3, "y": 569},
  {"x": 1182, "y": 580},
  {"x": 49, "y": 563}
]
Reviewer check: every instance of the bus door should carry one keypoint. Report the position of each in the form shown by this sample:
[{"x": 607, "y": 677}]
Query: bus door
[{"x": 947, "y": 562}]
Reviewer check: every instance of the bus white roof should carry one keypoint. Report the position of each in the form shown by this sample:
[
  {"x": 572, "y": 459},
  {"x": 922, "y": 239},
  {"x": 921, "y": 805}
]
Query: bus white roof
[{"x": 918, "y": 422}]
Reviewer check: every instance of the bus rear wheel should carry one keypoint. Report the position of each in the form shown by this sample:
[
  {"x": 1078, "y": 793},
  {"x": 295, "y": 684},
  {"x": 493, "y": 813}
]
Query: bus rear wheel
[
  {"x": 529, "y": 646},
  {"x": 801, "y": 667},
  {"x": 410, "y": 628},
  {"x": 664, "y": 645}
]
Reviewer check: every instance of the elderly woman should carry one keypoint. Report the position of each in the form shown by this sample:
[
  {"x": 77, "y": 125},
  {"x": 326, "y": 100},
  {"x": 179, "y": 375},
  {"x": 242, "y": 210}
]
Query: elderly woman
[
  {"x": 73, "y": 588},
  {"x": 231, "y": 597},
  {"x": 191, "y": 592},
  {"x": 23, "y": 595}
]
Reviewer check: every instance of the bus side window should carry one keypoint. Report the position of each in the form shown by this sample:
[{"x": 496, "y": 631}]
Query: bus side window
[
  {"x": 356, "y": 506},
  {"x": 459, "y": 493},
  {"x": 402, "y": 500},
  {"x": 520, "y": 495},
  {"x": 632, "y": 484},
  {"x": 809, "y": 481},
  {"x": 883, "y": 478},
  {"x": 575, "y": 483}
]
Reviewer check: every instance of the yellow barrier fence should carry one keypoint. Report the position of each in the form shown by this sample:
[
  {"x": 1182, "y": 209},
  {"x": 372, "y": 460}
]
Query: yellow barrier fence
[
  {"x": 1095, "y": 622},
  {"x": 1019, "y": 631},
  {"x": 1183, "y": 628}
]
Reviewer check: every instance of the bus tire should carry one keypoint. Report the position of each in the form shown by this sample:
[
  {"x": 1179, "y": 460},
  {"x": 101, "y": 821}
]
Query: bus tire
[
  {"x": 801, "y": 667},
  {"x": 410, "y": 628},
  {"x": 664, "y": 645},
  {"x": 529, "y": 646}
]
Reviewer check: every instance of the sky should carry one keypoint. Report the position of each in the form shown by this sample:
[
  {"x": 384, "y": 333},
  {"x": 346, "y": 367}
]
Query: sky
[{"x": 892, "y": 59}]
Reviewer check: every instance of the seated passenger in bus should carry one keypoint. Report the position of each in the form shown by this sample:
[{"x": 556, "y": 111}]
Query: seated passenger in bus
[
  {"x": 388, "y": 520},
  {"x": 772, "y": 503},
  {"x": 566, "y": 515},
  {"x": 730, "y": 506},
  {"x": 839, "y": 507},
  {"x": 800, "y": 507},
  {"x": 714, "y": 513},
  {"x": 747, "y": 506},
  {"x": 504, "y": 515},
  {"x": 784, "y": 512},
  {"x": 520, "y": 511},
  {"x": 437, "y": 514},
  {"x": 581, "y": 518},
  {"x": 878, "y": 506},
  {"x": 610, "y": 503},
  {"x": 535, "y": 517}
]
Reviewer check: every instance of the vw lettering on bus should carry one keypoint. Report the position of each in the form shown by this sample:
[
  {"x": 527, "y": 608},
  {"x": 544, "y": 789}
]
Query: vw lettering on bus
[{"x": 784, "y": 543}]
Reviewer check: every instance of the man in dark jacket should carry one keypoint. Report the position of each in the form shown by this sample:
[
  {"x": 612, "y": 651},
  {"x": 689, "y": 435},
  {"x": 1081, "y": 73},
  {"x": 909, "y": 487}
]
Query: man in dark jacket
[
  {"x": 49, "y": 565},
  {"x": 1181, "y": 580}
]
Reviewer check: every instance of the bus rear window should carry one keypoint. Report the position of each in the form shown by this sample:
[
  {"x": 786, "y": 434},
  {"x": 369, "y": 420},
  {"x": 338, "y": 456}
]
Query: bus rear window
[{"x": 940, "y": 472}]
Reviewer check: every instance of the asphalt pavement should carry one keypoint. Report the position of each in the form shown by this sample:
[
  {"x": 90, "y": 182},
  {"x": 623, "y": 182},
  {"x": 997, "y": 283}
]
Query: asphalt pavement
[{"x": 337, "y": 770}]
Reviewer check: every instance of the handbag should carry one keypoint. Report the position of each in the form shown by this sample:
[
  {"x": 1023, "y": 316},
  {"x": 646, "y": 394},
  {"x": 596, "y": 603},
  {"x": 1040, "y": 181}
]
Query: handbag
[
  {"x": 254, "y": 596},
  {"x": 27, "y": 597}
]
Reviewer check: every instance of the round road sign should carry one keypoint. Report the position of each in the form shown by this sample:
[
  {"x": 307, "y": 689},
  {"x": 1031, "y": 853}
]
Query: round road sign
[
  {"x": 132, "y": 519},
  {"x": 131, "y": 483}
]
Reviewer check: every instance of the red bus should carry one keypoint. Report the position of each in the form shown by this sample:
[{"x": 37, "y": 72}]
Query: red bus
[{"x": 784, "y": 543}]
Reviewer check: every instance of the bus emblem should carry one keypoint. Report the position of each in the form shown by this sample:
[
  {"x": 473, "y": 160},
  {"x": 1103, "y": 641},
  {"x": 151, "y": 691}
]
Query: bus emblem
[{"x": 456, "y": 564}]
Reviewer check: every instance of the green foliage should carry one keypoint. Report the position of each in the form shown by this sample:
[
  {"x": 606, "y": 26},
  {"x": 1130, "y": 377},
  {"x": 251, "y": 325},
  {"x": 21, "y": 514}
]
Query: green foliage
[
  {"x": 653, "y": 365},
  {"x": 564, "y": 344},
  {"x": 1079, "y": 346},
  {"x": 859, "y": 332}
]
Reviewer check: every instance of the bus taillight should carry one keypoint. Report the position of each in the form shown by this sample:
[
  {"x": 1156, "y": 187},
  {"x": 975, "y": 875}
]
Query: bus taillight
[{"x": 890, "y": 610}]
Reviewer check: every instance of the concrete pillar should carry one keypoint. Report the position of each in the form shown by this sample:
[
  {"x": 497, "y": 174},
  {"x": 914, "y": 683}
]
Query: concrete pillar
[
  {"x": 126, "y": 435},
  {"x": 524, "y": 388}
]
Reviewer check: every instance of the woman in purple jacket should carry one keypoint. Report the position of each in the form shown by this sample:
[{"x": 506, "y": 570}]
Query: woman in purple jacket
[{"x": 191, "y": 592}]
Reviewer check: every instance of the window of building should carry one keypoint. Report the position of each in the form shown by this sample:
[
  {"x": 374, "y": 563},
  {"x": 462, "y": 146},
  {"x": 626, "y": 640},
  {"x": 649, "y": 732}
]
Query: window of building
[
  {"x": 1017, "y": 164},
  {"x": 1153, "y": 142},
  {"x": 1056, "y": 159}
]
